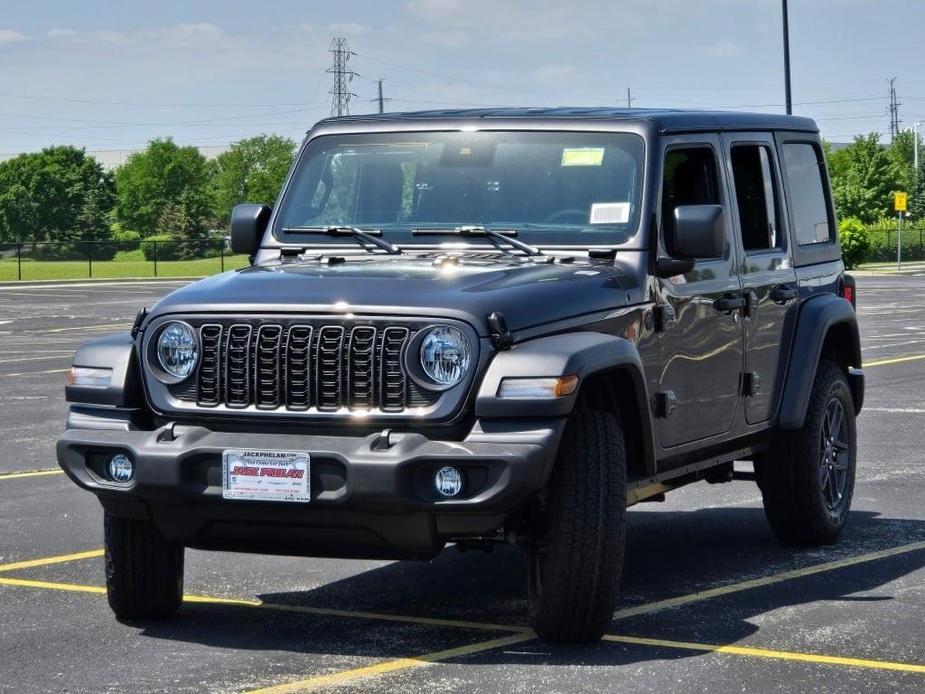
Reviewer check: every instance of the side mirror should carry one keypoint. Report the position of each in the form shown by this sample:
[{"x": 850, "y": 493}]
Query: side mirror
[
  {"x": 248, "y": 222},
  {"x": 699, "y": 232}
]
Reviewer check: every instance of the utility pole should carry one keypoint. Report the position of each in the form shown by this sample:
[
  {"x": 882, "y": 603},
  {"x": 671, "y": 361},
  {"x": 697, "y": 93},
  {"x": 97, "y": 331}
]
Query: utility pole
[
  {"x": 382, "y": 101},
  {"x": 629, "y": 98},
  {"x": 894, "y": 110},
  {"x": 789, "y": 98},
  {"x": 915, "y": 151},
  {"x": 343, "y": 76}
]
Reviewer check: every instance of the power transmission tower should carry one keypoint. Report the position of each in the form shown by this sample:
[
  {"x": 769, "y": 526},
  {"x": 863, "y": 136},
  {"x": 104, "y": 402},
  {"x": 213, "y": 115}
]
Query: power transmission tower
[
  {"x": 895, "y": 120},
  {"x": 629, "y": 98},
  {"x": 343, "y": 76},
  {"x": 382, "y": 101}
]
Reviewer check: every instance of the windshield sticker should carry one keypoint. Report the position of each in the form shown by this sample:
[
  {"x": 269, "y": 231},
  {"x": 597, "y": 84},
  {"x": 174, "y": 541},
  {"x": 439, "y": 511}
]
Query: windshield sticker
[
  {"x": 610, "y": 213},
  {"x": 583, "y": 156}
]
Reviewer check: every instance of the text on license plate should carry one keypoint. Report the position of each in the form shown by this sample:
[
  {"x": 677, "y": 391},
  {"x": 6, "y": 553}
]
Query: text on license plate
[{"x": 266, "y": 475}]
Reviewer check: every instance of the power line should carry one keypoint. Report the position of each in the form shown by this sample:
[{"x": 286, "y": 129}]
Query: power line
[{"x": 343, "y": 76}]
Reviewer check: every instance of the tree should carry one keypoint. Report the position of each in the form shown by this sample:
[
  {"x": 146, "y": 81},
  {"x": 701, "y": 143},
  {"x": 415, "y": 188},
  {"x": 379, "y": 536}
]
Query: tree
[
  {"x": 855, "y": 244},
  {"x": 58, "y": 194},
  {"x": 252, "y": 170},
  {"x": 864, "y": 177},
  {"x": 902, "y": 154},
  {"x": 154, "y": 178}
]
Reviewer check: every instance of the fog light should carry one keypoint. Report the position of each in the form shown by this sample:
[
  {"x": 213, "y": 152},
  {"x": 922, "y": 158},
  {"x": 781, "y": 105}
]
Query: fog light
[
  {"x": 121, "y": 468},
  {"x": 448, "y": 481}
]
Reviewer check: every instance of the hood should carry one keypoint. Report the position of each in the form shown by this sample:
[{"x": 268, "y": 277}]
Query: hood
[{"x": 527, "y": 293}]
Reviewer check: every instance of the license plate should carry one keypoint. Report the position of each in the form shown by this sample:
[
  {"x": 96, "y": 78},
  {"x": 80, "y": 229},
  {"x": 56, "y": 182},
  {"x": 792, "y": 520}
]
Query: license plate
[{"x": 266, "y": 475}]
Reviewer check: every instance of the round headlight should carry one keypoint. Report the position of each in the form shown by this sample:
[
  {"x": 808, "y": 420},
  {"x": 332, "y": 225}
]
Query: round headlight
[
  {"x": 445, "y": 355},
  {"x": 177, "y": 350}
]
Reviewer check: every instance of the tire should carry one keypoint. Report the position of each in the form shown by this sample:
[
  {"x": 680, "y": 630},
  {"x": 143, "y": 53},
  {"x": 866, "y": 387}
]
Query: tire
[
  {"x": 806, "y": 480},
  {"x": 577, "y": 557},
  {"x": 144, "y": 572}
]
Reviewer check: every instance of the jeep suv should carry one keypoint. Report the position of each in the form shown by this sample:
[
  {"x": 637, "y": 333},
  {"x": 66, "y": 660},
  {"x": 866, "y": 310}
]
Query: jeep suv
[{"x": 488, "y": 326}]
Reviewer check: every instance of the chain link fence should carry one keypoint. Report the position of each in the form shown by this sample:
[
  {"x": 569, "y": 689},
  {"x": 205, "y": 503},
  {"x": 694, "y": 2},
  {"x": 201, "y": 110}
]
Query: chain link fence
[
  {"x": 116, "y": 259},
  {"x": 884, "y": 239}
]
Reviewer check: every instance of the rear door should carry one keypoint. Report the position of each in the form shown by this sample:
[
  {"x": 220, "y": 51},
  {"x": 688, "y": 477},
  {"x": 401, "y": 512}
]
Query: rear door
[
  {"x": 766, "y": 270},
  {"x": 694, "y": 363}
]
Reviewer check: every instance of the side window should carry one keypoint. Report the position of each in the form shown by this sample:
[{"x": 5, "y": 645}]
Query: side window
[
  {"x": 808, "y": 201},
  {"x": 756, "y": 196},
  {"x": 689, "y": 179}
]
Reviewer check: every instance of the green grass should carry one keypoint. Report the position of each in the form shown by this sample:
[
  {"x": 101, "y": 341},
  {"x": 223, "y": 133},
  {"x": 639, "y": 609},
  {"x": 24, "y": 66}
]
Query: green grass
[{"x": 33, "y": 270}]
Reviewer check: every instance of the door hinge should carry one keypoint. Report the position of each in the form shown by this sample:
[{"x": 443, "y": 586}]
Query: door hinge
[
  {"x": 666, "y": 402},
  {"x": 750, "y": 384}
]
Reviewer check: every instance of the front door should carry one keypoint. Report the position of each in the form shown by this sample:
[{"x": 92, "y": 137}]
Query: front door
[
  {"x": 694, "y": 362},
  {"x": 767, "y": 274}
]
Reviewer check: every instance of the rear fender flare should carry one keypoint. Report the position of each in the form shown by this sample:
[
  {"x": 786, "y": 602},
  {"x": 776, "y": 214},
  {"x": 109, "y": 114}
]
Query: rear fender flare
[{"x": 816, "y": 320}]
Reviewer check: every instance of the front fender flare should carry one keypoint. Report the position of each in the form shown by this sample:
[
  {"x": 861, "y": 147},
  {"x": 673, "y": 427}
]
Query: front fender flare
[
  {"x": 116, "y": 352},
  {"x": 580, "y": 353}
]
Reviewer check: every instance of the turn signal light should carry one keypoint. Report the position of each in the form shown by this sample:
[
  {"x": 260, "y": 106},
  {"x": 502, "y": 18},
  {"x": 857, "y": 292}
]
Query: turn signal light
[{"x": 550, "y": 387}]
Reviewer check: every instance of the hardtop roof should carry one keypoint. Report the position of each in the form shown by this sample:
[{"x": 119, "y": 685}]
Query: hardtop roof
[{"x": 665, "y": 120}]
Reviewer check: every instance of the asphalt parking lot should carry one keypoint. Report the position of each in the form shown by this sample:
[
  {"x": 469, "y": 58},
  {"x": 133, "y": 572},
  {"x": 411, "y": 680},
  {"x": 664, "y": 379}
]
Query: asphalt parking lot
[{"x": 710, "y": 601}]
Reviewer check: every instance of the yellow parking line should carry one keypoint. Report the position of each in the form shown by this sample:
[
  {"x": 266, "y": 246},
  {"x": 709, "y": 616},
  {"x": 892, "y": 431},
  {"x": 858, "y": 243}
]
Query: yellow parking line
[
  {"x": 68, "y": 587},
  {"x": 388, "y": 666},
  {"x": 897, "y": 360},
  {"x": 30, "y": 473},
  {"x": 766, "y": 653},
  {"x": 767, "y": 580},
  {"x": 45, "y": 561}
]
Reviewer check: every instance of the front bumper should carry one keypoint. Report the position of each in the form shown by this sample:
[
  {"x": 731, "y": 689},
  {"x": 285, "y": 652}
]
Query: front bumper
[{"x": 365, "y": 501}]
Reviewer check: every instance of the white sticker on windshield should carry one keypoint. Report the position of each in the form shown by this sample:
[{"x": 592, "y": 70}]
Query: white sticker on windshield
[{"x": 610, "y": 213}]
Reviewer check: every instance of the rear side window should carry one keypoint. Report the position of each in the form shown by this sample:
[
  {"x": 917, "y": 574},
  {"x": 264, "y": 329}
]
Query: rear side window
[
  {"x": 808, "y": 202},
  {"x": 756, "y": 197},
  {"x": 689, "y": 179}
]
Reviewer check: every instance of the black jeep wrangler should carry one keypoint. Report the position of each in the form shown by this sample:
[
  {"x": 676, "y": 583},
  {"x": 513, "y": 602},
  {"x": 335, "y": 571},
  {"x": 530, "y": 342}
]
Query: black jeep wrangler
[{"x": 486, "y": 326}]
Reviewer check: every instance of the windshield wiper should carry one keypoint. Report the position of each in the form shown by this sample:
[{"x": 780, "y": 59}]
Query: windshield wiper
[
  {"x": 497, "y": 238},
  {"x": 361, "y": 237}
]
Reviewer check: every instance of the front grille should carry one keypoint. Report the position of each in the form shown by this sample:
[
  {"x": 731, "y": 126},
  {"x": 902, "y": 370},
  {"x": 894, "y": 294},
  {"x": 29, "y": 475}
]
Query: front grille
[{"x": 301, "y": 367}]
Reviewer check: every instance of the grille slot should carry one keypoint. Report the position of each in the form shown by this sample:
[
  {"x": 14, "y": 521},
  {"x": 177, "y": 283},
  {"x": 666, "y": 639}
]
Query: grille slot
[
  {"x": 329, "y": 352},
  {"x": 298, "y": 367},
  {"x": 361, "y": 368},
  {"x": 210, "y": 368},
  {"x": 267, "y": 367},
  {"x": 307, "y": 366},
  {"x": 392, "y": 388},
  {"x": 237, "y": 366}
]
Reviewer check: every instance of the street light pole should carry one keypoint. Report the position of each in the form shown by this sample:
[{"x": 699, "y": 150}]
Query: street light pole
[{"x": 787, "y": 57}]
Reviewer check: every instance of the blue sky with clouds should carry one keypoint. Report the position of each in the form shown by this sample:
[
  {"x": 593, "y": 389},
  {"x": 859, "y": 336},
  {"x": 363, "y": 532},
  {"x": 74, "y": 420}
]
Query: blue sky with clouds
[{"x": 111, "y": 75}]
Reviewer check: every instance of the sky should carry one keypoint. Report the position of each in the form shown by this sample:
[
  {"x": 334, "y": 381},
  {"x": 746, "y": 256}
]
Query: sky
[{"x": 113, "y": 75}]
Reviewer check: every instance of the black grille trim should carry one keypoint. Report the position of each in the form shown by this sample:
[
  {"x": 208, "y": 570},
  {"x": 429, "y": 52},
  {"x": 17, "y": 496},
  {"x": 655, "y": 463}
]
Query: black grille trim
[{"x": 311, "y": 365}]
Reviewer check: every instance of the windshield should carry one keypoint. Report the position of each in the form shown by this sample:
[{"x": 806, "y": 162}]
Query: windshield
[{"x": 552, "y": 188}]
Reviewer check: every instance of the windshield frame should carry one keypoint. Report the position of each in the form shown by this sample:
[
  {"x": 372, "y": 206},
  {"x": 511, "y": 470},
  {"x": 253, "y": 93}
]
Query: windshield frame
[{"x": 636, "y": 240}]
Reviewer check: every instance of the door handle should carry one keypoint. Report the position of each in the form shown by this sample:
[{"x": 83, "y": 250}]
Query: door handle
[
  {"x": 729, "y": 302},
  {"x": 782, "y": 294}
]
